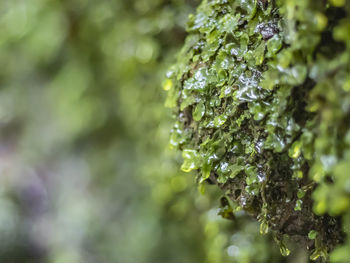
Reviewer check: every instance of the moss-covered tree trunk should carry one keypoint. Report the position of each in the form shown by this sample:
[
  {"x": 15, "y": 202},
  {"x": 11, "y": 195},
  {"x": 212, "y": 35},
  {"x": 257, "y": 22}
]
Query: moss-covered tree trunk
[{"x": 261, "y": 95}]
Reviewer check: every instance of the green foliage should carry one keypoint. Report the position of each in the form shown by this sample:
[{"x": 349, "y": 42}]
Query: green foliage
[
  {"x": 85, "y": 174},
  {"x": 262, "y": 103}
]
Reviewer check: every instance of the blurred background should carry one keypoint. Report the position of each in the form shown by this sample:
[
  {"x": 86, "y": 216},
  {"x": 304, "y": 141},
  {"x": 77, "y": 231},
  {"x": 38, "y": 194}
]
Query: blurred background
[{"x": 86, "y": 174}]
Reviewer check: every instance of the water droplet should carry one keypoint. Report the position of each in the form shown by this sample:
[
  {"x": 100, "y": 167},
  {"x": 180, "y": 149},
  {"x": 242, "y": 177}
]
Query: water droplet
[
  {"x": 191, "y": 161},
  {"x": 220, "y": 120}
]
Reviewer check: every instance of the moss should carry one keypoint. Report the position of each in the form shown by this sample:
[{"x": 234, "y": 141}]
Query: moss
[{"x": 261, "y": 95}]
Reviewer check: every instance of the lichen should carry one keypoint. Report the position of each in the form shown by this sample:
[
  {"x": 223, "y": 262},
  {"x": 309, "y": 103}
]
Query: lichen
[{"x": 261, "y": 95}]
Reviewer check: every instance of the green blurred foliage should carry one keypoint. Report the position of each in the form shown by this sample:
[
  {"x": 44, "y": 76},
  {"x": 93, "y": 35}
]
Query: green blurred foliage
[{"x": 85, "y": 176}]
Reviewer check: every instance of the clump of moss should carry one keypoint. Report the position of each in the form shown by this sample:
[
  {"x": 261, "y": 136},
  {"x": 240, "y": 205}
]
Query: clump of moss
[{"x": 261, "y": 95}]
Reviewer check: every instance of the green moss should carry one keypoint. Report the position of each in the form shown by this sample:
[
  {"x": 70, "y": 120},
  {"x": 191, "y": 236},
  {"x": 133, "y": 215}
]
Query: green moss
[{"x": 262, "y": 97}]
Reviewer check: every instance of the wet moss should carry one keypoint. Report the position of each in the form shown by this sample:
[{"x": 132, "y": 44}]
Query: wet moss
[{"x": 261, "y": 95}]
